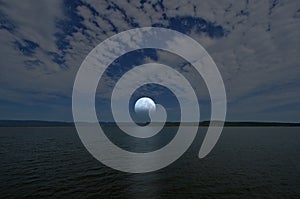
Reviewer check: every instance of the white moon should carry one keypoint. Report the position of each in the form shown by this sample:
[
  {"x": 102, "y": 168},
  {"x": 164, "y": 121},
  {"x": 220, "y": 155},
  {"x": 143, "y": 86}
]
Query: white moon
[{"x": 144, "y": 104}]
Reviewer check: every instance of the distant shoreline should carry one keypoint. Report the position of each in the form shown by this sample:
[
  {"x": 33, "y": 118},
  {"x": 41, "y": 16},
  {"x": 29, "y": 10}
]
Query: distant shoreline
[{"x": 37, "y": 123}]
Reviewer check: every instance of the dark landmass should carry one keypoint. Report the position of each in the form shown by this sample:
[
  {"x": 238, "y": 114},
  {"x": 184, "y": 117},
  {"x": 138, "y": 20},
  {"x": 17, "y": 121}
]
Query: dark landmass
[
  {"x": 206, "y": 123},
  {"x": 37, "y": 123},
  {"x": 33, "y": 123}
]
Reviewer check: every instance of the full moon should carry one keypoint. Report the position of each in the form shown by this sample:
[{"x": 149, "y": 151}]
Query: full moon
[{"x": 144, "y": 104}]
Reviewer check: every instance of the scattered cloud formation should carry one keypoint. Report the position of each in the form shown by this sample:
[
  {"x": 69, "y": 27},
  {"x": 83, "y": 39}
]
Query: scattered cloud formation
[{"x": 255, "y": 45}]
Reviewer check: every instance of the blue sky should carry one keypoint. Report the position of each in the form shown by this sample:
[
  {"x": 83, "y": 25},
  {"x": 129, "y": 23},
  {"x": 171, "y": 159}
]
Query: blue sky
[{"x": 254, "y": 44}]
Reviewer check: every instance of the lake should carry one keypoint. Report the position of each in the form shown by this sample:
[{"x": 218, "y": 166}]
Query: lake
[{"x": 247, "y": 162}]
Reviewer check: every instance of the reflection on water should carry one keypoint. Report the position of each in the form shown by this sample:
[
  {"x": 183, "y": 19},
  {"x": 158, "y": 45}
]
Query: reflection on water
[{"x": 52, "y": 162}]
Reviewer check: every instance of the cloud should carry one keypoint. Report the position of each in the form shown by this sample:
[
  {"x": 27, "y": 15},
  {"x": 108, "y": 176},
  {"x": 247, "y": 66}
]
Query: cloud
[{"x": 254, "y": 44}]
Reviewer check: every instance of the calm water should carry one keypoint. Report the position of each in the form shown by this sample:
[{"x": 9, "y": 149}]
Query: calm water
[{"x": 246, "y": 163}]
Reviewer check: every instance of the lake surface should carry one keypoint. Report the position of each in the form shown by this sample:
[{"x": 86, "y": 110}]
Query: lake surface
[{"x": 247, "y": 162}]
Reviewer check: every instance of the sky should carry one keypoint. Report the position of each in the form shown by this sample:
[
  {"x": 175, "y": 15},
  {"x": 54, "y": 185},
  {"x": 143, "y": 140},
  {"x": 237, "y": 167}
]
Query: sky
[{"x": 255, "y": 45}]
